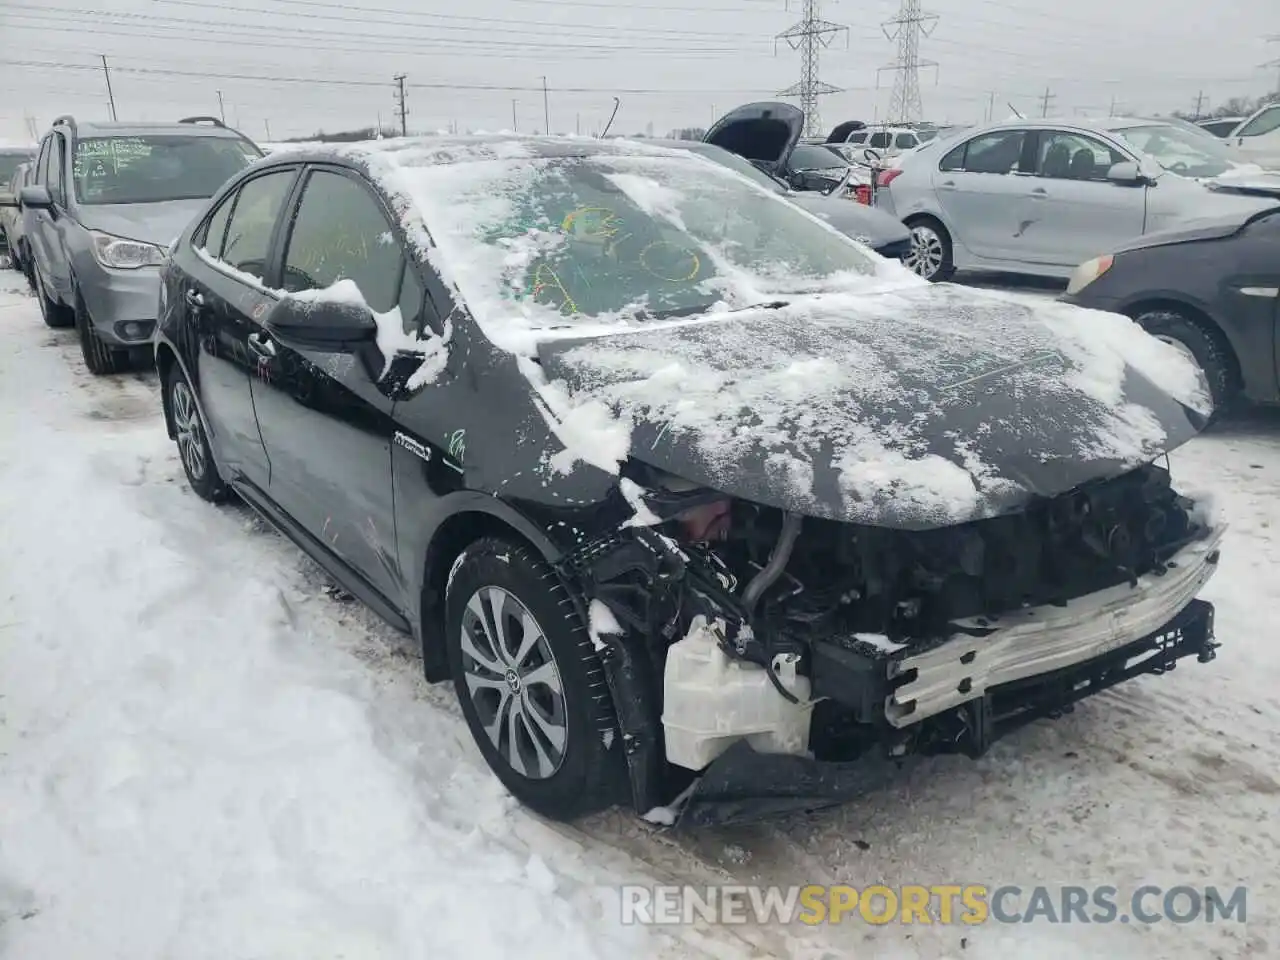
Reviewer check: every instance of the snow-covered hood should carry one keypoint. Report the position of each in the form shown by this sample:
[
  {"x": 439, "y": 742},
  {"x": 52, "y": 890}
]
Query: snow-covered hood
[
  {"x": 156, "y": 223},
  {"x": 921, "y": 406},
  {"x": 766, "y": 131}
]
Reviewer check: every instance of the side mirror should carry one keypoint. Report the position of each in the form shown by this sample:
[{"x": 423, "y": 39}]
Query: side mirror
[
  {"x": 8, "y": 199},
  {"x": 1126, "y": 174},
  {"x": 309, "y": 319},
  {"x": 36, "y": 198}
]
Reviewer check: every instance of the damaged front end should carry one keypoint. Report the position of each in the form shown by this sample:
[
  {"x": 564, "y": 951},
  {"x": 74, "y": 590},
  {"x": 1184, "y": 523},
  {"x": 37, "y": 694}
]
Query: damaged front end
[{"x": 762, "y": 653}]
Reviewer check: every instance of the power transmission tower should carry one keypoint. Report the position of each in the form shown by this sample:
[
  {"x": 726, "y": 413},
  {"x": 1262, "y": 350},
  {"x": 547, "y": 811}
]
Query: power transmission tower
[
  {"x": 910, "y": 25},
  {"x": 401, "y": 107},
  {"x": 1199, "y": 104},
  {"x": 809, "y": 36}
]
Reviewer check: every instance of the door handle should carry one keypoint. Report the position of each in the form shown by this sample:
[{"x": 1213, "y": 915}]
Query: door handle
[
  {"x": 261, "y": 346},
  {"x": 194, "y": 299}
]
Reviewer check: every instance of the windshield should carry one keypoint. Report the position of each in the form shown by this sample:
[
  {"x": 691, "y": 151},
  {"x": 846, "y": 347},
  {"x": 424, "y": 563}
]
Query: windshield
[
  {"x": 1184, "y": 152},
  {"x": 611, "y": 238},
  {"x": 808, "y": 156},
  {"x": 9, "y": 162},
  {"x": 734, "y": 162},
  {"x": 153, "y": 168}
]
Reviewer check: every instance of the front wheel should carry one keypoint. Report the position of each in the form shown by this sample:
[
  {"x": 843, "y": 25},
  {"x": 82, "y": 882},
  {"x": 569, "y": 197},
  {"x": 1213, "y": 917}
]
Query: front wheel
[
  {"x": 100, "y": 358},
  {"x": 530, "y": 684},
  {"x": 54, "y": 314},
  {"x": 1201, "y": 345},
  {"x": 192, "y": 439},
  {"x": 931, "y": 252}
]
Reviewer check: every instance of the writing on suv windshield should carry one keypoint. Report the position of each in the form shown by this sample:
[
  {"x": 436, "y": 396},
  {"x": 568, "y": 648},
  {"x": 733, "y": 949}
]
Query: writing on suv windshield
[{"x": 154, "y": 168}]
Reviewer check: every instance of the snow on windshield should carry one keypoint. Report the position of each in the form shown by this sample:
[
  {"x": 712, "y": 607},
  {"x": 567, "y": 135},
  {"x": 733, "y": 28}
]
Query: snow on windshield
[{"x": 536, "y": 243}]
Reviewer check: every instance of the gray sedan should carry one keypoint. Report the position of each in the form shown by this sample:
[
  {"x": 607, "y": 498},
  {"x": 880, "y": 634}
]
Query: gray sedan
[{"x": 1040, "y": 197}]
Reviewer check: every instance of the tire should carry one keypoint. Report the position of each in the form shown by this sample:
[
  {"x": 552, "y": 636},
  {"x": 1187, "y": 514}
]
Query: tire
[
  {"x": 193, "y": 439},
  {"x": 931, "y": 254},
  {"x": 563, "y": 784},
  {"x": 98, "y": 357},
  {"x": 1205, "y": 345},
  {"x": 54, "y": 314}
]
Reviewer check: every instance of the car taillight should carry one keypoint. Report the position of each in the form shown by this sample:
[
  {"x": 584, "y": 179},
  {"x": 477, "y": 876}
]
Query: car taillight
[
  {"x": 862, "y": 193},
  {"x": 886, "y": 177}
]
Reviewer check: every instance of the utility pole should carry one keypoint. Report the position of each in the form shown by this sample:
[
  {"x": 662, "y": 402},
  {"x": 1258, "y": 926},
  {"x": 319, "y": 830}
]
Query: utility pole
[
  {"x": 577, "y": 124},
  {"x": 991, "y": 106},
  {"x": 267, "y": 123},
  {"x": 1044, "y": 102},
  {"x": 1274, "y": 63},
  {"x": 1199, "y": 104},
  {"x": 111, "y": 97},
  {"x": 809, "y": 36},
  {"x": 911, "y": 24},
  {"x": 222, "y": 110},
  {"x": 546, "y": 109},
  {"x": 1112, "y": 111},
  {"x": 400, "y": 104},
  {"x": 515, "y": 123}
]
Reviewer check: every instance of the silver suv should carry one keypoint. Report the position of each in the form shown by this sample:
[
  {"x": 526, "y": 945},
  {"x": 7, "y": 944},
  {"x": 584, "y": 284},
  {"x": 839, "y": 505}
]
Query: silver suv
[{"x": 104, "y": 204}]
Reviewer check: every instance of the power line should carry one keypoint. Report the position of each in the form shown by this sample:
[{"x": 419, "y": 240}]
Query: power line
[
  {"x": 911, "y": 24},
  {"x": 809, "y": 36}
]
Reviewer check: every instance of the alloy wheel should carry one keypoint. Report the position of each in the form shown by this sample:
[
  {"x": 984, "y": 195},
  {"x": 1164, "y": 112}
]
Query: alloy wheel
[
  {"x": 190, "y": 431},
  {"x": 514, "y": 683},
  {"x": 926, "y": 254}
]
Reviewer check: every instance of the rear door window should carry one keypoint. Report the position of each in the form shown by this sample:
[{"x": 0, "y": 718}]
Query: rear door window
[
  {"x": 248, "y": 235},
  {"x": 880, "y": 141},
  {"x": 996, "y": 152},
  {"x": 341, "y": 233},
  {"x": 905, "y": 141}
]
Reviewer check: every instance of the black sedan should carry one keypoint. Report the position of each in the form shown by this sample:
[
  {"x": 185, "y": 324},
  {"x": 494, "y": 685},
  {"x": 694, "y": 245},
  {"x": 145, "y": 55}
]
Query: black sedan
[
  {"x": 667, "y": 475},
  {"x": 1211, "y": 288}
]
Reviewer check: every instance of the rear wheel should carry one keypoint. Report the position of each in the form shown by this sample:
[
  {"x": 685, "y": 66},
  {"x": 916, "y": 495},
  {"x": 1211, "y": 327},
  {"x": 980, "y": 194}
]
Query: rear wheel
[
  {"x": 98, "y": 357},
  {"x": 1200, "y": 344},
  {"x": 529, "y": 681},
  {"x": 53, "y": 313},
  {"x": 931, "y": 252},
  {"x": 192, "y": 439}
]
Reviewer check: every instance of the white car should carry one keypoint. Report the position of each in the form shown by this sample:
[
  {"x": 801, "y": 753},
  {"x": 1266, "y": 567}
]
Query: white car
[{"x": 1257, "y": 140}]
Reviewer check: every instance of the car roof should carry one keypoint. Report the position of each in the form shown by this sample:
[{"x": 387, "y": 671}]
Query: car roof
[
  {"x": 91, "y": 128},
  {"x": 430, "y": 151}
]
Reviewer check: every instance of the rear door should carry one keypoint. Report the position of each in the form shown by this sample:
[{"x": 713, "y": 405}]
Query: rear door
[
  {"x": 326, "y": 417},
  {"x": 225, "y": 295},
  {"x": 38, "y": 224},
  {"x": 1073, "y": 212},
  {"x": 1258, "y": 140},
  {"x": 980, "y": 188}
]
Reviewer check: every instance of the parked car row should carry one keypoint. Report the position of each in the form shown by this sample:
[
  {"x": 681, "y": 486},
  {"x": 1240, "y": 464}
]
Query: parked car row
[
  {"x": 98, "y": 206},
  {"x": 1150, "y": 218},
  {"x": 13, "y": 166}
]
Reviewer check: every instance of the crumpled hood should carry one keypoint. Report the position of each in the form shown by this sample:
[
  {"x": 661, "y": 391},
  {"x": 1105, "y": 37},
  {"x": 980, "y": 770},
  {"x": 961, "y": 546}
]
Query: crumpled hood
[
  {"x": 921, "y": 406},
  {"x": 156, "y": 223}
]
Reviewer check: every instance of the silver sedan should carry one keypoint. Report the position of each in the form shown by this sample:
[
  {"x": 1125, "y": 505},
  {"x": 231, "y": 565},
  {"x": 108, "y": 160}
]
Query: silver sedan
[{"x": 1040, "y": 197}]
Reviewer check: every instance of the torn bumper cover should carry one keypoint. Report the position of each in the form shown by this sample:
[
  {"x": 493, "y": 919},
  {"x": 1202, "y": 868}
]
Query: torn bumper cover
[{"x": 965, "y": 693}]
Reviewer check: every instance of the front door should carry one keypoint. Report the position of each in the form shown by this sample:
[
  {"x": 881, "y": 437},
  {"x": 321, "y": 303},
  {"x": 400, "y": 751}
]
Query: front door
[
  {"x": 980, "y": 189},
  {"x": 226, "y": 293},
  {"x": 44, "y": 226},
  {"x": 1073, "y": 212},
  {"x": 326, "y": 417}
]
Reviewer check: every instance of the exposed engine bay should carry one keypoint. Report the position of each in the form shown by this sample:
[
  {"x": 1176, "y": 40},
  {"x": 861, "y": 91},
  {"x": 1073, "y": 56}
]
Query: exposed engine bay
[{"x": 882, "y": 629}]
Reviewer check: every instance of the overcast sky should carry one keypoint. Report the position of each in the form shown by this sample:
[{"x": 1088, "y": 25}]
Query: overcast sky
[{"x": 301, "y": 65}]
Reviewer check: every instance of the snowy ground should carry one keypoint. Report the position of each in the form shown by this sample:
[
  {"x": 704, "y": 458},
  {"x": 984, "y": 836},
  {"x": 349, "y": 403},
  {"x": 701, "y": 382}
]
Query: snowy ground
[{"x": 205, "y": 755}]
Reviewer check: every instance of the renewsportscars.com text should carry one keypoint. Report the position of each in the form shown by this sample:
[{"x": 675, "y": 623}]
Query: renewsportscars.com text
[{"x": 965, "y": 904}]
